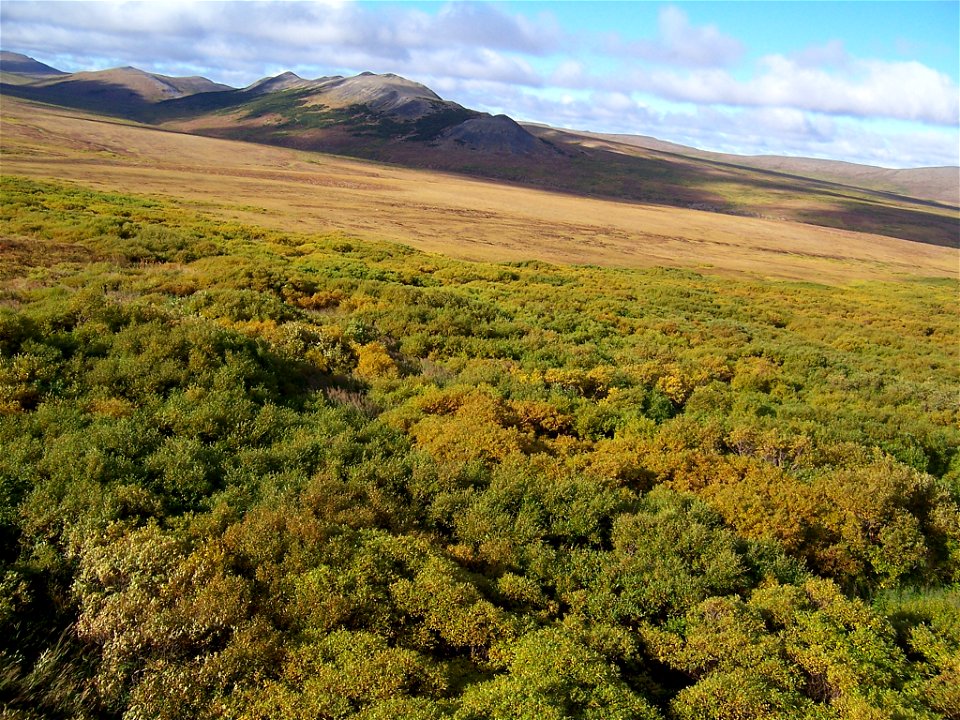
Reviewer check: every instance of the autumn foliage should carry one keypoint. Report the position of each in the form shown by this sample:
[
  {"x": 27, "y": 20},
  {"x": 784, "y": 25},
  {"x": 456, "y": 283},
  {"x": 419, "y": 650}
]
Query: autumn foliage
[{"x": 250, "y": 474}]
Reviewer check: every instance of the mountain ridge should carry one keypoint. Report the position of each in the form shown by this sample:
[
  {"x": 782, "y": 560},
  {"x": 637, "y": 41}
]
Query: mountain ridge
[
  {"x": 290, "y": 80},
  {"x": 289, "y": 110}
]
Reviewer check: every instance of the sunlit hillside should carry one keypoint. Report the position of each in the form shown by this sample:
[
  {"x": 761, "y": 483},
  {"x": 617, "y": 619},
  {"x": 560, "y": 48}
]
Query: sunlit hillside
[{"x": 463, "y": 217}]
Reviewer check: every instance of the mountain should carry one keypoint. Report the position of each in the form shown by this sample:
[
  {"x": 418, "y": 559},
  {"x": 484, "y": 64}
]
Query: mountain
[
  {"x": 125, "y": 92},
  {"x": 386, "y": 117},
  {"x": 148, "y": 86},
  {"x": 389, "y": 118},
  {"x": 388, "y": 93},
  {"x": 283, "y": 81},
  {"x": 369, "y": 115}
]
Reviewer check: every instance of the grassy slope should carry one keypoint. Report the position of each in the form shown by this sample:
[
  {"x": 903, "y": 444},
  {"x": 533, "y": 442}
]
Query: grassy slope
[
  {"x": 672, "y": 176},
  {"x": 465, "y": 218},
  {"x": 625, "y": 173},
  {"x": 369, "y": 478},
  {"x": 744, "y": 186}
]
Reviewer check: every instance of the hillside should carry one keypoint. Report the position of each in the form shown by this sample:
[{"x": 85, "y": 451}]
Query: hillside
[
  {"x": 392, "y": 119},
  {"x": 940, "y": 184},
  {"x": 376, "y": 116},
  {"x": 341, "y": 114},
  {"x": 254, "y": 472},
  {"x": 459, "y": 216},
  {"x": 125, "y": 92},
  {"x": 11, "y": 62}
]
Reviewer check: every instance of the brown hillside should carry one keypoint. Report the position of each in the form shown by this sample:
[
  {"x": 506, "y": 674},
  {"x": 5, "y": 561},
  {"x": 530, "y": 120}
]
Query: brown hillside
[
  {"x": 434, "y": 211},
  {"x": 940, "y": 184},
  {"x": 392, "y": 119}
]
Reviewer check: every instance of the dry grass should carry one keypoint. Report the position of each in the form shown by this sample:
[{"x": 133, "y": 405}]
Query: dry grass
[{"x": 461, "y": 217}]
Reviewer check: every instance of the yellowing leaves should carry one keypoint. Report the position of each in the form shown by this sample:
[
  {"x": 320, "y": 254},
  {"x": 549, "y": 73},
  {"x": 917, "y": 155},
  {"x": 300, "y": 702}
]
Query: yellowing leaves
[
  {"x": 755, "y": 373},
  {"x": 374, "y": 362},
  {"x": 480, "y": 427}
]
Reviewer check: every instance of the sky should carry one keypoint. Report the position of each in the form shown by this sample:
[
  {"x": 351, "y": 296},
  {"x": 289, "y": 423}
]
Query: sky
[{"x": 868, "y": 82}]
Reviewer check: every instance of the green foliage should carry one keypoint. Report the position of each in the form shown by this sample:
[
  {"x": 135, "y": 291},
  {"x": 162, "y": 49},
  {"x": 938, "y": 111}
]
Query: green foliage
[
  {"x": 346, "y": 672},
  {"x": 552, "y": 676},
  {"x": 255, "y": 475}
]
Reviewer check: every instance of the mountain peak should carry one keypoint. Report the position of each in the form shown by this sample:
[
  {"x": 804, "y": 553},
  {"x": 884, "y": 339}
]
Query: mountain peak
[
  {"x": 284, "y": 81},
  {"x": 496, "y": 134},
  {"x": 386, "y": 93}
]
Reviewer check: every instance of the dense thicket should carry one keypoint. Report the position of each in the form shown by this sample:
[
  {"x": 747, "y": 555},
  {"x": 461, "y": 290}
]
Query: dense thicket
[{"x": 253, "y": 474}]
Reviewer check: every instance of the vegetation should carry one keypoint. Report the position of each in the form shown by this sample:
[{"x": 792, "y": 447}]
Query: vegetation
[
  {"x": 292, "y": 112},
  {"x": 248, "y": 473}
]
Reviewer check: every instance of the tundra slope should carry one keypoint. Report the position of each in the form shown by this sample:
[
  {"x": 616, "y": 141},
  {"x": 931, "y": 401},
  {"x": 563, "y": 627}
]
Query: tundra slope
[
  {"x": 446, "y": 213},
  {"x": 392, "y": 119}
]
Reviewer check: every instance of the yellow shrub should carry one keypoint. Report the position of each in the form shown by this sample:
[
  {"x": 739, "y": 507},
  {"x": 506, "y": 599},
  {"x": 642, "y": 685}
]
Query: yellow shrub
[
  {"x": 676, "y": 385},
  {"x": 540, "y": 417},
  {"x": 755, "y": 373},
  {"x": 482, "y": 428},
  {"x": 373, "y": 361}
]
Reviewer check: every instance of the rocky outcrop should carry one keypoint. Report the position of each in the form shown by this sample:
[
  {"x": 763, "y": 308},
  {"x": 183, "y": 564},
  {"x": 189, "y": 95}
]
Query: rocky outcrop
[{"x": 495, "y": 134}]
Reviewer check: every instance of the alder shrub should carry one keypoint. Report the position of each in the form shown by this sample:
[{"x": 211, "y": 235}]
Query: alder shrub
[{"x": 254, "y": 474}]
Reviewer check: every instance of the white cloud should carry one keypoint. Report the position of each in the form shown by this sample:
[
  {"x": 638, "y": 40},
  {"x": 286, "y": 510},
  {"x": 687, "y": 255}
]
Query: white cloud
[
  {"x": 569, "y": 74},
  {"x": 680, "y": 43},
  {"x": 831, "y": 53},
  {"x": 477, "y": 64},
  {"x": 750, "y": 131},
  {"x": 275, "y": 30},
  {"x": 862, "y": 88},
  {"x": 487, "y": 26},
  {"x": 901, "y": 90},
  {"x": 241, "y": 42}
]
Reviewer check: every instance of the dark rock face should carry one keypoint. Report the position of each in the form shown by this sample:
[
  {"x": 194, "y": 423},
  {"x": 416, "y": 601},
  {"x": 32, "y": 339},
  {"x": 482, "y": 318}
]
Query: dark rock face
[{"x": 497, "y": 133}]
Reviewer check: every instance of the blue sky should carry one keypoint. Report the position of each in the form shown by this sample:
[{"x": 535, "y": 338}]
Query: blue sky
[{"x": 873, "y": 82}]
